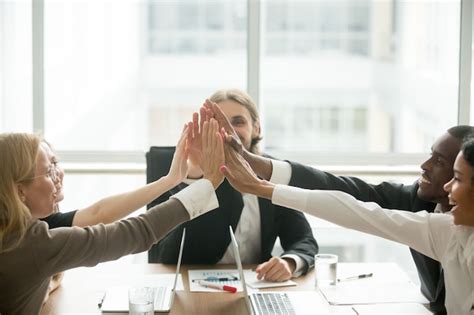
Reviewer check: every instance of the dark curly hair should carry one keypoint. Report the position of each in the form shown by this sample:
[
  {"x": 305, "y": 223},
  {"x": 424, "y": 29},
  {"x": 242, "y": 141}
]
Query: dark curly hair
[{"x": 467, "y": 149}]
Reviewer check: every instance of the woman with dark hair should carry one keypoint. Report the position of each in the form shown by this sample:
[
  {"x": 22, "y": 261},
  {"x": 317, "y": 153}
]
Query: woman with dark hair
[{"x": 448, "y": 238}]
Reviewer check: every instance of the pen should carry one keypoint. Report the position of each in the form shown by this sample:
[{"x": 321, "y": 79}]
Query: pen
[
  {"x": 101, "y": 301},
  {"x": 230, "y": 278},
  {"x": 366, "y": 275},
  {"x": 213, "y": 285}
]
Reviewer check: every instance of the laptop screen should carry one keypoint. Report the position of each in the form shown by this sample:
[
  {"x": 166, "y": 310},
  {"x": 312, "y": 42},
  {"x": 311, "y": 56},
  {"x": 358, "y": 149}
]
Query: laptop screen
[
  {"x": 179, "y": 259},
  {"x": 116, "y": 298},
  {"x": 238, "y": 261}
]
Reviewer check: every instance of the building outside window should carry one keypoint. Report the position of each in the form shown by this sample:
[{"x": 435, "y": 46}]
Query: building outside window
[{"x": 336, "y": 78}]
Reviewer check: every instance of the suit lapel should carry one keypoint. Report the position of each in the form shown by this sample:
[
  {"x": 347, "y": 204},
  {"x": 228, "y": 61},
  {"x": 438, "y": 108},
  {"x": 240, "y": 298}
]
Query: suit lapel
[
  {"x": 231, "y": 202},
  {"x": 266, "y": 226}
]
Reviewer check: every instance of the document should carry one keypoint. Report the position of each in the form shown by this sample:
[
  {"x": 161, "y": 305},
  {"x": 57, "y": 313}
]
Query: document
[
  {"x": 254, "y": 283},
  {"x": 389, "y": 284},
  {"x": 228, "y": 277},
  {"x": 388, "y": 308}
]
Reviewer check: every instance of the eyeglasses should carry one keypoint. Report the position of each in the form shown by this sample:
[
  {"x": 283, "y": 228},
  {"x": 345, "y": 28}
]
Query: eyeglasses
[{"x": 52, "y": 173}]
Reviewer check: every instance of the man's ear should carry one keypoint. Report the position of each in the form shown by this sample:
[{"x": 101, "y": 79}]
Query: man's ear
[{"x": 256, "y": 130}]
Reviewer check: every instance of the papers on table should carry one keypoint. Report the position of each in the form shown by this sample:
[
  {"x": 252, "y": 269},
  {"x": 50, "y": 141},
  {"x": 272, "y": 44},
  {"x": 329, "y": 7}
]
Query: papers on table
[
  {"x": 389, "y": 284},
  {"x": 221, "y": 276},
  {"x": 389, "y": 308},
  {"x": 254, "y": 283},
  {"x": 230, "y": 277}
]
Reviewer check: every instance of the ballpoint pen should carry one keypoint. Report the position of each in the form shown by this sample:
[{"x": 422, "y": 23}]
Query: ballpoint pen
[
  {"x": 214, "y": 285},
  {"x": 362, "y": 276},
  {"x": 217, "y": 279}
]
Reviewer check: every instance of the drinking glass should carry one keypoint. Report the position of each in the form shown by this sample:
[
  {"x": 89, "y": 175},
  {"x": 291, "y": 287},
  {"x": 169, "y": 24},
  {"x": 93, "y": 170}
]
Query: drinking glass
[
  {"x": 140, "y": 301},
  {"x": 325, "y": 266}
]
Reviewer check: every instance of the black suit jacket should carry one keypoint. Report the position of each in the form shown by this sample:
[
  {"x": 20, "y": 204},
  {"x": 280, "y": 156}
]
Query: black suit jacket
[
  {"x": 389, "y": 196},
  {"x": 207, "y": 237}
]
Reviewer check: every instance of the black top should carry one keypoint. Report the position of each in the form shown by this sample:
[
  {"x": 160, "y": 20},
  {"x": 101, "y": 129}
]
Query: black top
[
  {"x": 60, "y": 219},
  {"x": 389, "y": 196}
]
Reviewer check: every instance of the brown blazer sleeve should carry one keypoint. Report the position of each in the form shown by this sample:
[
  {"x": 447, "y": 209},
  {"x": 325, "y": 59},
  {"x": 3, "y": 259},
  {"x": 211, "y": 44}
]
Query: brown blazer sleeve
[{"x": 64, "y": 248}]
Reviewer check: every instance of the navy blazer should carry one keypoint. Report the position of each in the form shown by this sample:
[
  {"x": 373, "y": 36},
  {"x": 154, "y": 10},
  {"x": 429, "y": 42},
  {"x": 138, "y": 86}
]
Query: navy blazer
[
  {"x": 207, "y": 237},
  {"x": 389, "y": 196}
]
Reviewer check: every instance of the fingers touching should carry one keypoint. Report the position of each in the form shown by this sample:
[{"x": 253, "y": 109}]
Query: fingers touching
[{"x": 213, "y": 152}]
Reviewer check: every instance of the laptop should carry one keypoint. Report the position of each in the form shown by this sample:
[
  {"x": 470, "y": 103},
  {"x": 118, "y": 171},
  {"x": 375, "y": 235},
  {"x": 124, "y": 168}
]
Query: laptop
[
  {"x": 283, "y": 302},
  {"x": 116, "y": 299}
]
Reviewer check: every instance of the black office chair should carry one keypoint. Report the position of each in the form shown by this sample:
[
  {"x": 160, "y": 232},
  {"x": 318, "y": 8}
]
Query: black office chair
[{"x": 158, "y": 163}]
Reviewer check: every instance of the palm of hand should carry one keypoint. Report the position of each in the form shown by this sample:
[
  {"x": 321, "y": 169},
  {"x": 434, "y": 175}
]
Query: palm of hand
[
  {"x": 195, "y": 150},
  {"x": 224, "y": 122}
]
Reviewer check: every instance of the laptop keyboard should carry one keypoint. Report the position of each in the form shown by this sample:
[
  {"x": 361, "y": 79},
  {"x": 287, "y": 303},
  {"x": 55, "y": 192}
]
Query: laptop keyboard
[
  {"x": 160, "y": 295},
  {"x": 273, "y": 303}
]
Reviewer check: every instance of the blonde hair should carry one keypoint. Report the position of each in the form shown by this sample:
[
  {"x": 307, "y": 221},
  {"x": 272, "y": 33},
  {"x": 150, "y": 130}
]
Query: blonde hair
[
  {"x": 17, "y": 165},
  {"x": 246, "y": 101}
]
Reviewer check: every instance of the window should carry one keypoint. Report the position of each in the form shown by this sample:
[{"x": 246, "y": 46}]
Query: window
[
  {"x": 349, "y": 76},
  {"x": 126, "y": 75},
  {"x": 364, "y": 69},
  {"x": 15, "y": 64}
]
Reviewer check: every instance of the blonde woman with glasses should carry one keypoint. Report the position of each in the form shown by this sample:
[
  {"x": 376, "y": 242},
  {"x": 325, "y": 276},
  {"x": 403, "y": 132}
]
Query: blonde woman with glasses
[{"x": 30, "y": 252}]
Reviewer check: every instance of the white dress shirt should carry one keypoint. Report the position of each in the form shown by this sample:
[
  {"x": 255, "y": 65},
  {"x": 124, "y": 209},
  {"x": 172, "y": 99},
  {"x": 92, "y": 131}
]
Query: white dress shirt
[
  {"x": 247, "y": 233},
  {"x": 198, "y": 198},
  {"x": 248, "y": 230},
  {"x": 432, "y": 234}
]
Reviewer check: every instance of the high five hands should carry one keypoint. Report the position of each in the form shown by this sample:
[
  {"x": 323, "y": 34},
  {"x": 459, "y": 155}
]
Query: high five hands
[
  {"x": 205, "y": 147},
  {"x": 214, "y": 148}
]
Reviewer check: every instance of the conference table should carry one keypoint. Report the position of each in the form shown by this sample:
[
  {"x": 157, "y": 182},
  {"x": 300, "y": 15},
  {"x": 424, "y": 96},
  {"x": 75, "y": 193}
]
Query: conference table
[{"x": 83, "y": 289}]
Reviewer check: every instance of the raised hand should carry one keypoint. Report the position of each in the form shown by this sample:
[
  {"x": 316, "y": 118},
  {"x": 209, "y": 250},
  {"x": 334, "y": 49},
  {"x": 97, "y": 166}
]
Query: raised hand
[
  {"x": 212, "y": 152},
  {"x": 241, "y": 176},
  {"x": 179, "y": 166},
  {"x": 194, "y": 140},
  {"x": 232, "y": 138}
]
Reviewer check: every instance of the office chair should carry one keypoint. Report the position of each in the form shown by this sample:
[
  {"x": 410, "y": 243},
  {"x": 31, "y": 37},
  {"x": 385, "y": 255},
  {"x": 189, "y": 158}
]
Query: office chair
[{"x": 158, "y": 163}]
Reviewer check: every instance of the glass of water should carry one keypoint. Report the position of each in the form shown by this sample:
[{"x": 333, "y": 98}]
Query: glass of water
[
  {"x": 325, "y": 267},
  {"x": 140, "y": 301}
]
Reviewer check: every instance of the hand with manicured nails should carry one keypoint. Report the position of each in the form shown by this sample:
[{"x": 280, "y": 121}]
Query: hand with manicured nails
[
  {"x": 213, "y": 151},
  {"x": 276, "y": 269},
  {"x": 241, "y": 176}
]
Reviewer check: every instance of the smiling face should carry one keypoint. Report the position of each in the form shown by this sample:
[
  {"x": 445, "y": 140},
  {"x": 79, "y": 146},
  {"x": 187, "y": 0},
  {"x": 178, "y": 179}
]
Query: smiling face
[
  {"x": 461, "y": 192},
  {"x": 437, "y": 170},
  {"x": 39, "y": 193},
  {"x": 53, "y": 159},
  {"x": 241, "y": 120}
]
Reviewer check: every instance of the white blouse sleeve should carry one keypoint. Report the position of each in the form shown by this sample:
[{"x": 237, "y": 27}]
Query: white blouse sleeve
[
  {"x": 281, "y": 172},
  {"x": 424, "y": 232}
]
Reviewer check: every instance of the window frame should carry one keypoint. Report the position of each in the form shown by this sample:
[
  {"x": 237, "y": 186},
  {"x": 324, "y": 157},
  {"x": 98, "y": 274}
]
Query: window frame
[{"x": 254, "y": 29}]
